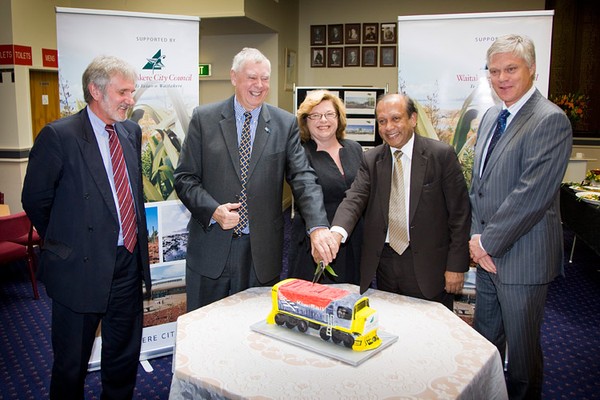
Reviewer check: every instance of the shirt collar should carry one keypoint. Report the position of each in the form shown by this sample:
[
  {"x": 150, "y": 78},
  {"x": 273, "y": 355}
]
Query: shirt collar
[
  {"x": 240, "y": 110},
  {"x": 514, "y": 109},
  {"x": 407, "y": 149}
]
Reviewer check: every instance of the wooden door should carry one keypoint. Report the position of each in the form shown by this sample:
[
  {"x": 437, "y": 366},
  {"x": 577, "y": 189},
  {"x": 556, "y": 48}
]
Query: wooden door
[{"x": 45, "y": 102}]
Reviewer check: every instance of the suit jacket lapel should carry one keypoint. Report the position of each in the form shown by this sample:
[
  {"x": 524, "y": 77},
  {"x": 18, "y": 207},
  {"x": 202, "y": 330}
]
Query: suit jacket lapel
[
  {"x": 417, "y": 175},
  {"x": 131, "y": 157},
  {"x": 263, "y": 131},
  {"x": 512, "y": 130},
  {"x": 229, "y": 132},
  {"x": 93, "y": 161},
  {"x": 383, "y": 166}
]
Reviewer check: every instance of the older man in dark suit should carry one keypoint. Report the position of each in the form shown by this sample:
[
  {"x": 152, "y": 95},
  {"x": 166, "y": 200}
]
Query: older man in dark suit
[
  {"x": 435, "y": 212},
  {"x": 236, "y": 230},
  {"x": 521, "y": 155},
  {"x": 83, "y": 193}
]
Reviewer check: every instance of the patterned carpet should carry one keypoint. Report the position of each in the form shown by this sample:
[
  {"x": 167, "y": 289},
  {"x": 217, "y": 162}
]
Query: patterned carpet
[{"x": 571, "y": 338}]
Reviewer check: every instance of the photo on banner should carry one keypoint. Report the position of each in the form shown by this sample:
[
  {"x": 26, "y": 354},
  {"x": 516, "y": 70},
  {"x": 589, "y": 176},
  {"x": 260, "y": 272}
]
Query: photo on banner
[{"x": 164, "y": 51}]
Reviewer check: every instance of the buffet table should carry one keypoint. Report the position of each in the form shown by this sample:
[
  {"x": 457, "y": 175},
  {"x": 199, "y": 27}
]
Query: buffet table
[
  {"x": 437, "y": 355},
  {"x": 580, "y": 217}
]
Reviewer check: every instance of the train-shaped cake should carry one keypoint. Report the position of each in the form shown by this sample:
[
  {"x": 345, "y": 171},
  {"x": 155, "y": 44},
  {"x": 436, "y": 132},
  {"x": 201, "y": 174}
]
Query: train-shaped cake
[{"x": 337, "y": 314}]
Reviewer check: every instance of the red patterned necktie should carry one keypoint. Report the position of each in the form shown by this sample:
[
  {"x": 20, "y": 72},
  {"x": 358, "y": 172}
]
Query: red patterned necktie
[
  {"x": 128, "y": 224},
  {"x": 245, "y": 150}
]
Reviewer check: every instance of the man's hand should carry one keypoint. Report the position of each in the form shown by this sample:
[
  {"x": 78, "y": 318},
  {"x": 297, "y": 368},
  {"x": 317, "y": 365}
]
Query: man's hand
[
  {"x": 480, "y": 256},
  {"x": 227, "y": 216},
  {"x": 454, "y": 281},
  {"x": 324, "y": 246}
]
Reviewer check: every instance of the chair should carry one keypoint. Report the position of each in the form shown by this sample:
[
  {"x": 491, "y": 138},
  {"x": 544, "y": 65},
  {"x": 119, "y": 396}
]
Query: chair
[{"x": 17, "y": 239}]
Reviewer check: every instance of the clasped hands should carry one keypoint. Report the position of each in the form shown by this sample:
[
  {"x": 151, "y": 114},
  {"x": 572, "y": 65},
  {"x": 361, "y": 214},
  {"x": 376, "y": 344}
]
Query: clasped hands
[
  {"x": 324, "y": 245},
  {"x": 480, "y": 256}
]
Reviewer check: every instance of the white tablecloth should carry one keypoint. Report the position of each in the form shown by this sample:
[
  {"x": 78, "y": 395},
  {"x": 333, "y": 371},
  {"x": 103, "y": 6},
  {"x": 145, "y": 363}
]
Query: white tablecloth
[{"x": 437, "y": 356}]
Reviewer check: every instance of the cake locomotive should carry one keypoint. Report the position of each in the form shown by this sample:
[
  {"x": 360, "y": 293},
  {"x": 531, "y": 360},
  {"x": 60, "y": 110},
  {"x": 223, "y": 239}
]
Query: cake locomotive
[{"x": 337, "y": 314}]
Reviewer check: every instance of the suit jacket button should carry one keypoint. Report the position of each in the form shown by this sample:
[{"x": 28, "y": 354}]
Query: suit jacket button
[
  {"x": 91, "y": 228},
  {"x": 480, "y": 194},
  {"x": 482, "y": 222},
  {"x": 85, "y": 259},
  {"x": 86, "y": 196}
]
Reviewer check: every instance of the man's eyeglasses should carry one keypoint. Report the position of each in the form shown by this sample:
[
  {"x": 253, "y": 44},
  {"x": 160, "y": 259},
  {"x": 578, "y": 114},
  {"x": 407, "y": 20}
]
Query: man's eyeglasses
[{"x": 316, "y": 116}]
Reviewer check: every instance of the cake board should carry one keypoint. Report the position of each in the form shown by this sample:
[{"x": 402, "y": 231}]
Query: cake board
[{"x": 315, "y": 344}]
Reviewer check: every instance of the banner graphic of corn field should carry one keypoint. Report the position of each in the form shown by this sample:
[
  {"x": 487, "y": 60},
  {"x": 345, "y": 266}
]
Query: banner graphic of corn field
[
  {"x": 442, "y": 65},
  {"x": 164, "y": 51}
]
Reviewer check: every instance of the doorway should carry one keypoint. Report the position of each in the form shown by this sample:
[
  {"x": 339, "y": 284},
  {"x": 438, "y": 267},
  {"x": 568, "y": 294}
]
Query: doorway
[{"x": 45, "y": 102}]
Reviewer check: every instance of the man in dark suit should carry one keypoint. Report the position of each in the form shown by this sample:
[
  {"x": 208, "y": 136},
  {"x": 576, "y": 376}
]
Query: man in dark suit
[
  {"x": 226, "y": 254},
  {"x": 95, "y": 244},
  {"x": 436, "y": 207},
  {"x": 516, "y": 232}
]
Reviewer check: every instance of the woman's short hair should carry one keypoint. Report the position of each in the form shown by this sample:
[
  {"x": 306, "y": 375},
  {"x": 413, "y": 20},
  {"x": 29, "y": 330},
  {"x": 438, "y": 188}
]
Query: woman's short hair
[{"x": 314, "y": 98}]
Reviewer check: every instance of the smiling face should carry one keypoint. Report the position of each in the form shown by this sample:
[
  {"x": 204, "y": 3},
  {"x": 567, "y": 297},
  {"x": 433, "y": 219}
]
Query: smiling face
[
  {"x": 396, "y": 127},
  {"x": 251, "y": 84},
  {"x": 510, "y": 76},
  {"x": 112, "y": 105},
  {"x": 323, "y": 129}
]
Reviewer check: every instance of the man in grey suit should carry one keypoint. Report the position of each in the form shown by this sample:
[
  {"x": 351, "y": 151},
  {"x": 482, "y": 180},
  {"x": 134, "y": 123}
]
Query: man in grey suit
[
  {"x": 436, "y": 208},
  {"x": 225, "y": 254},
  {"x": 516, "y": 231}
]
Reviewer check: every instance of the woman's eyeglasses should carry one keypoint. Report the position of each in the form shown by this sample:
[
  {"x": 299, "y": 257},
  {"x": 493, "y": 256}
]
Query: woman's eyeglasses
[{"x": 316, "y": 116}]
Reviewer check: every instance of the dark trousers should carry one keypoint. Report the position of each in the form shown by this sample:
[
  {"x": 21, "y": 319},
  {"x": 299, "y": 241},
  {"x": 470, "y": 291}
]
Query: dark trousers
[
  {"x": 73, "y": 337},
  {"x": 239, "y": 274},
  {"x": 396, "y": 274}
]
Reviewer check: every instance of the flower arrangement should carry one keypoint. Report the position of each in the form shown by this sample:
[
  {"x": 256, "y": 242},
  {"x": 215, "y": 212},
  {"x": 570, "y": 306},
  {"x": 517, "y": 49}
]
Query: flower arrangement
[
  {"x": 574, "y": 105},
  {"x": 593, "y": 176}
]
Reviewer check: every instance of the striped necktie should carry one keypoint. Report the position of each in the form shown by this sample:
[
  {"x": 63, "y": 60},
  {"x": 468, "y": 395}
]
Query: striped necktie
[
  {"x": 398, "y": 226},
  {"x": 126, "y": 209}
]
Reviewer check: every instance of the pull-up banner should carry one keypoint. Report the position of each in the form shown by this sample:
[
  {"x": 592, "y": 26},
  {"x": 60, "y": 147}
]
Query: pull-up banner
[{"x": 164, "y": 50}]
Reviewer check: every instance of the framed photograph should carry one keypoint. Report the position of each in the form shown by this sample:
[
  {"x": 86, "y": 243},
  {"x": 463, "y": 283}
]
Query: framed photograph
[
  {"x": 317, "y": 57},
  {"x": 318, "y": 36},
  {"x": 291, "y": 71},
  {"x": 369, "y": 56},
  {"x": 352, "y": 33},
  {"x": 360, "y": 102},
  {"x": 335, "y": 34},
  {"x": 335, "y": 57},
  {"x": 388, "y": 33},
  {"x": 387, "y": 56},
  {"x": 352, "y": 56},
  {"x": 370, "y": 33}
]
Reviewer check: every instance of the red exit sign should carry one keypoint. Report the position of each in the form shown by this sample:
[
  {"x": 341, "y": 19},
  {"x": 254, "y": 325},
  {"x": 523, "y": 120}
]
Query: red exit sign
[{"x": 15, "y": 55}]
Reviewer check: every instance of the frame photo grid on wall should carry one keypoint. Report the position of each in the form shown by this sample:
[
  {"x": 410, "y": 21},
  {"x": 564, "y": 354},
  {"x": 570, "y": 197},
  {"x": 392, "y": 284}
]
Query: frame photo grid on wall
[{"x": 364, "y": 45}]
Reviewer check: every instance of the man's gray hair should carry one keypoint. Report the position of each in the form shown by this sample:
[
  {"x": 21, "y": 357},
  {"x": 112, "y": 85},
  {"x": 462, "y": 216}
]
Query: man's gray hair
[
  {"x": 519, "y": 45},
  {"x": 101, "y": 70},
  {"x": 249, "y": 54}
]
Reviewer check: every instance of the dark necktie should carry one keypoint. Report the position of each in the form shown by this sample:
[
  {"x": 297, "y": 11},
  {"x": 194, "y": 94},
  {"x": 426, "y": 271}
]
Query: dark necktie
[
  {"x": 397, "y": 214},
  {"x": 128, "y": 224},
  {"x": 500, "y": 127},
  {"x": 245, "y": 150}
]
